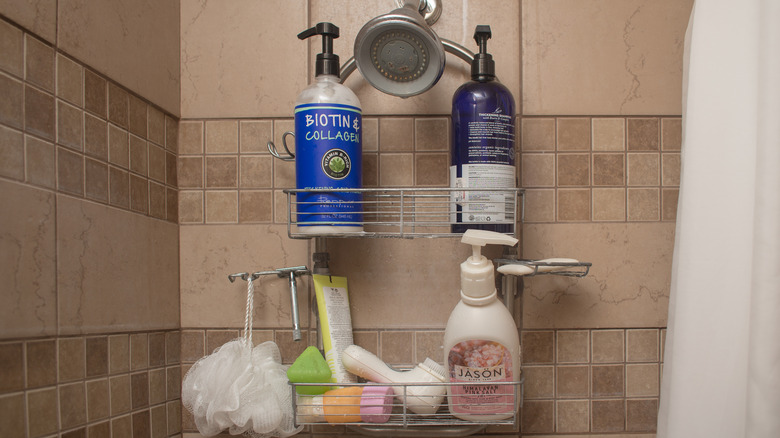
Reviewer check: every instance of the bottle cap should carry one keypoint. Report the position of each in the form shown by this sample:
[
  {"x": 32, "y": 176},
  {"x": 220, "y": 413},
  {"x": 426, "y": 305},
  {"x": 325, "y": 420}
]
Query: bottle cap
[
  {"x": 327, "y": 61},
  {"x": 476, "y": 273},
  {"x": 483, "y": 68}
]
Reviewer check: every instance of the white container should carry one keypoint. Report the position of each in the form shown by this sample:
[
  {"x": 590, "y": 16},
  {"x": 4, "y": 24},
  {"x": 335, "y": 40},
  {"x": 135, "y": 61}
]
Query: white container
[{"x": 481, "y": 341}]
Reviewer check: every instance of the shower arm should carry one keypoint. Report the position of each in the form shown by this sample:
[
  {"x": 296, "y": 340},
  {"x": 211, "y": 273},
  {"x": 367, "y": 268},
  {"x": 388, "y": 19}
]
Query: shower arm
[{"x": 449, "y": 46}]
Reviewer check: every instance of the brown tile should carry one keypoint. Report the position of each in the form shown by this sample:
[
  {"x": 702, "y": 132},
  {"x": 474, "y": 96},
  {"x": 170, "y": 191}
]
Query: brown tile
[
  {"x": 118, "y": 101},
  {"x": 11, "y": 367},
  {"x": 141, "y": 427},
  {"x": 539, "y": 382},
  {"x": 95, "y": 94},
  {"x": 221, "y": 206},
  {"x": 136, "y": 117},
  {"x": 644, "y": 204},
  {"x": 155, "y": 126},
  {"x": 96, "y": 180},
  {"x": 70, "y": 171},
  {"x": 216, "y": 338},
  {"x": 428, "y": 344},
  {"x": 171, "y": 134},
  {"x": 253, "y": 136},
  {"x": 538, "y": 134},
  {"x": 118, "y": 187},
  {"x": 538, "y": 170},
  {"x": 671, "y": 134},
  {"x": 190, "y": 172},
  {"x": 172, "y": 205},
  {"x": 118, "y": 354},
  {"x": 608, "y": 415},
  {"x": 432, "y": 170},
  {"x": 573, "y": 170},
  {"x": 95, "y": 137},
  {"x": 12, "y": 411},
  {"x": 156, "y": 349},
  {"x": 139, "y": 194},
  {"x": 70, "y": 81},
  {"x": 97, "y": 356},
  {"x": 256, "y": 171},
  {"x": 191, "y": 207},
  {"x": 572, "y": 346},
  {"x": 289, "y": 348},
  {"x": 663, "y": 347},
  {"x": 118, "y": 147},
  {"x": 608, "y": 170},
  {"x": 76, "y": 433},
  {"x": 609, "y": 134},
  {"x": 642, "y": 345},
  {"x": 396, "y": 170},
  {"x": 139, "y": 388},
  {"x": 69, "y": 125},
  {"x": 42, "y": 412},
  {"x": 280, "y": 207},
  {"x": 11, "y": 49},
  {"x": 370, "y": 170},
  {"x": 394, "y": 347},
  {"x": 174, "y": 417},
  {"x": 670, "y": 169},
  {"x": 396, "y": 134},
  {"x": 641, "y": 415},
  {"x": 11, "y": 154},
  {"x": 643, "y": 134},
  {"x": 432, "y": 134},
  {"x": 607, "y": 380},
  {"x": 157, "y": 386},
  {"x": 255, "y": 206},
  {"x": 573, "y": 205},
  {"x": 99, "y": 430},
  {"x": 221, "y": 136},
  {"x": 98, "y": 400},
  {"x": 39, "y": 63},
  {"x": 607, "y": 346},
  {"x": 572, "y": 381},
  {"x": 72, "y": 359},
  {"x": 669, "y": 198},
  {"x": 157, "y": 163},
  {"x": 12, "y": 104},
  {"x": 171, "y": 170},
  {"x": 642, "y": 380},
  {"x": 537, "y": 417},
  {"x": 609, "y": 204},
  {"x": 139, "y": 351},
  {"x": 119, "y": 387},
  {"x": 39, "y": 110},
  {"x": 122, "y": 427},
  {"x": 173, "y": 384},
  {"x": 221, "y": 172},
  {"x": 41, "y": 363},
  {"x": 139, "y": 156},
  {"x": 191, "y": 137},
  {"x": 73, "y": 405},
  {"x": 40, "y": 162},
  {"x": 539, "y": 205},
  {"x": 643, "y": 169},
  {"x": 572, "y": 416},
  {"x": 284, "y": 174},
  {"x": 156, "y": 200},
  {"x": 538, "y": 346},
  {"x": 370, "y": 134},
  {"x": 573, "y": 134},
  {"x": 159, "y": 421}
]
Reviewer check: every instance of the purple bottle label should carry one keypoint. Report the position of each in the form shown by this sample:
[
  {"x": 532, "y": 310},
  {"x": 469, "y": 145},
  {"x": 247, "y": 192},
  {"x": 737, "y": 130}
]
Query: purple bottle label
[{"x": 328, "y": 151}]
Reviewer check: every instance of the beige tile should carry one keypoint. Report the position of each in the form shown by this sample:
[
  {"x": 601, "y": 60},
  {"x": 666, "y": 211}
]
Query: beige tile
[
  {"x": 12, "y": 106},
  {"x": 157, "y": 164},
  {"x": 608, "y": 415},
  {"x": 221, "y": 206},
  {"x": 190, "y": 172},
  {"x": 69, "y": 125},
  {"x": 538, "y": 170},
  {"x": 642, "y": 380},
  {"x": 139, "y": 155},
  {"x": 139, "y": 351},
  {"x": 538, "y": 346},
  {"x": 157, "y": 386},
  {"x": 139, "y": 194},
  {"x": 607, "y": 346},
  {"x": 221, "y": 136},
  {"x": 254, "y": 135},
  {"x": 119, "y": 387},
  {"x": 671, "y": 134},
  {"x": 157, "y": 200},
  {"x": 609, "y": 204},
  {"x": 644, "y": 204},
  {"x": 191, "y": 206},
  {"x": 609, "y": 134},
  {"x": 396, "y": 170},
  {"x": 431, "y": 170},
  {"x": 42, "y": 409},
  {"x": 28, "y": 306},
  {"x": 138, "y": 48},
  {"x": 102, "y": 293},
  {"x": 256, "y": 171},
  {"x": 432, "y": 134},
  {"x": 11, "y": 49},
  {"x": 282, "y": 126},
  {"x": 394, "y": 347},
  {"x": 538, "y": 416},
  {"x": 173, "y": 347},
  {"x": 642, "y": 345},
  {"x": 95, "y": 137},
  {"x": 172, "y": 205},
  {"x": 39, "y": 113},
  {"x": 121, "y": 427},
  {"x": 190, "y": 137},
  {"x": 137, "y": 117},
  {"x": 370, "y": 134},
  {"x": 284, "y": 174},
  {"x": 171, "y": 134},
  {"x": 670, "y": 169},
  {"x": 156, "y": 349},
  {"x": 221, "y": 172},
  {"x": 70, "y": 81},
  {"x": 95, "y": 93},
  {"x": 155, "y": 124},
  {"x": 174, "y": 417},
  {"x": 607, "y": 380},
  {"x": 428, "y": 344},
  {"x": 99, "y": 429},
  {"x": 171, "y": 170},
  {"x": 118, "y": 105},
  {"x": 11, "y": 154},
  {"x": 641, "y": 415},
  {"x": 12, "y": 370},
  {"x": 217, "y": 338},
  {"x": 573, "y": 134},
  {"x": 573, "y": 170},
  {"x": 73, "y": 405},
  {"x": 98, "y": 400},
  {"x": 40, "y": 163},
  {"x": 573, "y": 205},
  {"x": 118, "y": 146},
  {"x": 539, "y": 382},
  {"x": 118, "y": 354},
  {"x": 12, "y": 411},
  {"x": 539, "y": 205},
  {"x": 669, "y": 199},
  {"x": 572, "y": 346},
  {"x": 192, "y": 345},
  {"x": 643, "y": 169},
  {"x": 623, "y": 65},
  {"x": 39, "y": 63},
  {"x": 572, "y": 416},
  {"x": 396, "y": 134},
  {"x": 159, "y": 421},
  {"x": 255, "y": 206},
  {"x": 118, "y": 187},
  {"x": 41, "y": 357},
  {"x": 572, "y": 381},
  {"x": 538, "y": 134},
  {"x": 644, "y": 134},
  {"x": 173, "y": 384},
  {"x": 289, "y": 348},
  {"x": 70, "y": 171}
]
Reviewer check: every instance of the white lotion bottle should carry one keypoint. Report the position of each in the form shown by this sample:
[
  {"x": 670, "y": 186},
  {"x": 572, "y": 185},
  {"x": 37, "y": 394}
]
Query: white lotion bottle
[{"x": 481, "y": 341}]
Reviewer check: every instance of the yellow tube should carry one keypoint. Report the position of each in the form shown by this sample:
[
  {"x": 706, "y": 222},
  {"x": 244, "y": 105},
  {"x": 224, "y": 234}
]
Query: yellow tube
[{"x": 335, "y": 322}]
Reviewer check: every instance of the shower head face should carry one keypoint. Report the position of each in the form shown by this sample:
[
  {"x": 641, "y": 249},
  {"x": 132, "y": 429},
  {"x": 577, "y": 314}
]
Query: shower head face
[{"x": 399, "y": 54}]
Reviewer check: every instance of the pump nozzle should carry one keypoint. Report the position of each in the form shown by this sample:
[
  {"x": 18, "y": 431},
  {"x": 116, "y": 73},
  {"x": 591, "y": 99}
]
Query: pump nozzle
[
  {"x": 476, "y": 273},
  {"x": 483, "y": 68},
  {"x": 327, "y": 62}
]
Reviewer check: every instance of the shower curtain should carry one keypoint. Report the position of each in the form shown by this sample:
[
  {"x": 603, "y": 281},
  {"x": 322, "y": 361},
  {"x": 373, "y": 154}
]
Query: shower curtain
[{"x": 721, "y": 376}]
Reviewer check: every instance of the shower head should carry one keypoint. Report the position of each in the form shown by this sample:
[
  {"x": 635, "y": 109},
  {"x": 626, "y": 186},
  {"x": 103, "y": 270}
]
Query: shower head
[{"x": 398, "y": 53}]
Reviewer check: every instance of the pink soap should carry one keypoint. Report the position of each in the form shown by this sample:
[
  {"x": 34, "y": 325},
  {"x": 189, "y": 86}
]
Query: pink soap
[{"x": 376, "y": 403}]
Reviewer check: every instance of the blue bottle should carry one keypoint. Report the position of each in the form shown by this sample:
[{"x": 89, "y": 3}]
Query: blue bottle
[{"x": 483, "y": 148}]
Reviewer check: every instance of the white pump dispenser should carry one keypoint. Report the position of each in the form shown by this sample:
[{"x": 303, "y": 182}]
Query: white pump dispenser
[{"x": 481, "y": 341}]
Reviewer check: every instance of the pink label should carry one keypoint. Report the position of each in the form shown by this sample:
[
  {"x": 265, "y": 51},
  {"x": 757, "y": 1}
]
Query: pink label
[{"x": 485, "y": 363}]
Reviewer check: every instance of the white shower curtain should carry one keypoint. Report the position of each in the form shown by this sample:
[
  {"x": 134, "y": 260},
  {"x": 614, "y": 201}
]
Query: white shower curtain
[{"x": 721, "y": 376}]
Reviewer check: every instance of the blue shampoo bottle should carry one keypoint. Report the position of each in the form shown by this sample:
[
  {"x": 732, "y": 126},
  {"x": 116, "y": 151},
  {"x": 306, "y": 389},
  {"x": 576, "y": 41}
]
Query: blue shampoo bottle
[{"x": 483, "y": 147}]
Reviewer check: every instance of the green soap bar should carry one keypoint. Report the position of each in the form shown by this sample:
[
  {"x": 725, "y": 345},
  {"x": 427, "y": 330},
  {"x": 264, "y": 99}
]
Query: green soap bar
[{"x": 310, "y": 367}]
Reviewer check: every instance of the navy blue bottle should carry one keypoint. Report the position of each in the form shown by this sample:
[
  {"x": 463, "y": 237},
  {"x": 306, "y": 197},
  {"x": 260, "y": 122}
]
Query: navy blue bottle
[{"x": 483, "y": 148}]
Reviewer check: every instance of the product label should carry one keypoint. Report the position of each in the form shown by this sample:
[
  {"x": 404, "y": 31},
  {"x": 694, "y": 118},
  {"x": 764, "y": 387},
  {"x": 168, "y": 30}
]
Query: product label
[
  {"x": 491, "y": 138},
  {"x": 337, "y": 333},
  {"x": 486, "y": 363},
  {"x": 488, "y": 206},
  {"x": 328, "y": 149}
]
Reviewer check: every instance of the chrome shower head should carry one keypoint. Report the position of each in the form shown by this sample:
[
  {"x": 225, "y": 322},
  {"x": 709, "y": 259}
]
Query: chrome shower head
[{"x": 398, "y": 53}]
